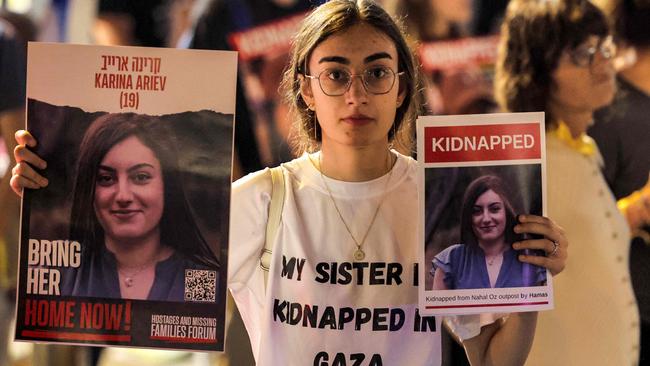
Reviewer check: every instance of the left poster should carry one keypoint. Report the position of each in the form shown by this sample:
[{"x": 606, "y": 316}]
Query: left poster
[{"x": 128, "y": 243}]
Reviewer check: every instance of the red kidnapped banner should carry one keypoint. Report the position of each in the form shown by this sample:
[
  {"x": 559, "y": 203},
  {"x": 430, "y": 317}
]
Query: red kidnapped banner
[{"x": 482, "y": 143}]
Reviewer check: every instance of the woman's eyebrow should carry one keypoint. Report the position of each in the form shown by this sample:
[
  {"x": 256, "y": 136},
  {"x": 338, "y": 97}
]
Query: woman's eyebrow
[
  {"x": 337, "y": 59},
  {"x": 135, "y": 167},
  {"x": 107, "y": 168},
  {"x": 377, "y": 56},
  {"x": 139, "y": 166},
  {"x": 345, "y": 61}
]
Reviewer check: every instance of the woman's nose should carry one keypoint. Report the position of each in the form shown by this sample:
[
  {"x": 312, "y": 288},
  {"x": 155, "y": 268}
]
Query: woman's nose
[
  {"x": 357, "y": 93},
  {"x": 485, "y": 216},
  {"x": 124, "y": 195}
]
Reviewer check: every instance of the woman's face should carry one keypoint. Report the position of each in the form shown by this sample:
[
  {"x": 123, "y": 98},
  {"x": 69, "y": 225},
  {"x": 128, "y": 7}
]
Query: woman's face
[
  {"x": 488, "y": 217},
  {"x": 581, "y": 86},
  {"x": 129, "y": 191},
  {"x": 358, "y": 117}
]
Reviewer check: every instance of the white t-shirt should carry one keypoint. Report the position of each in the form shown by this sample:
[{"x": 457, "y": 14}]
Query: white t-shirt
[{"x": 320, "y": 305}]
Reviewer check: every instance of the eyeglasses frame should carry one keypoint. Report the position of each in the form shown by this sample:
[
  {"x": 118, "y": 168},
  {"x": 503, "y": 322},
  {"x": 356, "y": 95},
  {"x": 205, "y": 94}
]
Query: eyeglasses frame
[
  {"x": 352, "y": 76},
  {"x": 607, "y": 53}
]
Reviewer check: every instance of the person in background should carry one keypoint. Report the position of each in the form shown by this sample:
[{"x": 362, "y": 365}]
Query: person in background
[
  {"x": 556, "y": 56},
  {"x": 622, "y": 132}
]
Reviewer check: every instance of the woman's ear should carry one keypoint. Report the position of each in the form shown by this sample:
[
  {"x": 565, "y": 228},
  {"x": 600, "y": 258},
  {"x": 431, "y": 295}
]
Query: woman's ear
[
  {"x": 400, "y": 99},
  {"x": 401, "y": 94},
  {"x": 305, "y": 91}
]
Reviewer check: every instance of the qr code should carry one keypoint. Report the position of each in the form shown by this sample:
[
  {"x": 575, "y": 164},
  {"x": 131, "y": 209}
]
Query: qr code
[{"x": 200, "y": 285}]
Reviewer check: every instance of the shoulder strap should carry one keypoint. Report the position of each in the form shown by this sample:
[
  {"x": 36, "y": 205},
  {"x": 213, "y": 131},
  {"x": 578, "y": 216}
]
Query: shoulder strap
[{"x": 275, "y": 217}]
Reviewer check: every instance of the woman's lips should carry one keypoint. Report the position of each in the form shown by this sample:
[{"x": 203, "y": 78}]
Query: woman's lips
[
  {"x": 124, "y": 214},
  {"x": 358, "y": 120}
]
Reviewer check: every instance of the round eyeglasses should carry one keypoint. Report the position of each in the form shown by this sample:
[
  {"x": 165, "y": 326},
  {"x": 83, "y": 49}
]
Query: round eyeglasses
[
  {"x": 336, "y": 81},
  {"x": 584, "y": 55}
]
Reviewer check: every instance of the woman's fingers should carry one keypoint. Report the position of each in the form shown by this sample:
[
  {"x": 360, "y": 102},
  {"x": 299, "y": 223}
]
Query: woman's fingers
[
  {"x": 537, "y": 244},
  {"x": 534, "y": 218},
  {"x": 24, "y": 176},
  {"x": 23, "y": 137},
  {"x": 540, "y": 225},
  {"x": 554, "y": 266},
  {"x": 532, "y": 224},
  {"x": 25, "y": 171},
  {"x": 14, "y": 183},
  {"x": 17, "y": 184},
  {"x": 23, "y": 154},
  {"x": 554, "y": 263},
  {"x": 554, "y": 243}
]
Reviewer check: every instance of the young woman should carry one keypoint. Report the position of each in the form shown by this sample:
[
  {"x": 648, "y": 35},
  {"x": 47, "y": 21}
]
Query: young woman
[
  {"x": 485, "y": 258},
  {"x": 342, "y": 287},
  {"x": 557, "y": 56}
]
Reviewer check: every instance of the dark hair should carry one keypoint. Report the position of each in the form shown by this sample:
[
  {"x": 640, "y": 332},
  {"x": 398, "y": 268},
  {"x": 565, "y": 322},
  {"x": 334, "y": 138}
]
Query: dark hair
[
  {"x": 475, "y": 189},
  {"x": 533, "y": 36},
  {"x": 331, "y": 18},
  {"x": 631, "y": 18},
  {"x": 178, "y": 228}
]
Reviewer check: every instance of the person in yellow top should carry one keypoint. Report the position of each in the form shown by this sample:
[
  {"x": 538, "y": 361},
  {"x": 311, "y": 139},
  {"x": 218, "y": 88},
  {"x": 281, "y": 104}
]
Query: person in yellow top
[{"x": 556, "y": 56}]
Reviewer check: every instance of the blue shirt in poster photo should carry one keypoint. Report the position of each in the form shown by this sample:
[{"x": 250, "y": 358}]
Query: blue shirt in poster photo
[{"x": 465, "y": 267}]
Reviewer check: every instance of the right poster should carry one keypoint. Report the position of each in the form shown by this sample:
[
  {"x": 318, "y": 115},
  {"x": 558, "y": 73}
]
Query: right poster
[{"x": 478, "y": 172}]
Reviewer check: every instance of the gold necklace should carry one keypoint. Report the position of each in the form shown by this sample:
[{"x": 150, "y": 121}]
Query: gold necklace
[{"x": 358, "y": 254}]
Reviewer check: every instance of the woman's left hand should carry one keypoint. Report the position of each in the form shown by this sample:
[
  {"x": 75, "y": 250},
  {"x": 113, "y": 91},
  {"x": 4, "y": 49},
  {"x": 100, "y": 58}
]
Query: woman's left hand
[{"x": 554, "y": 243}]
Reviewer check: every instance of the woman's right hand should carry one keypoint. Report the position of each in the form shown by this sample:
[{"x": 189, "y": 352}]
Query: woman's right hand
[{"x": 23, "y": 174}]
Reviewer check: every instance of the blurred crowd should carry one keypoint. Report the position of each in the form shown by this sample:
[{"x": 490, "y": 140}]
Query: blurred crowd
[{"x": 456, "y": 42}]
